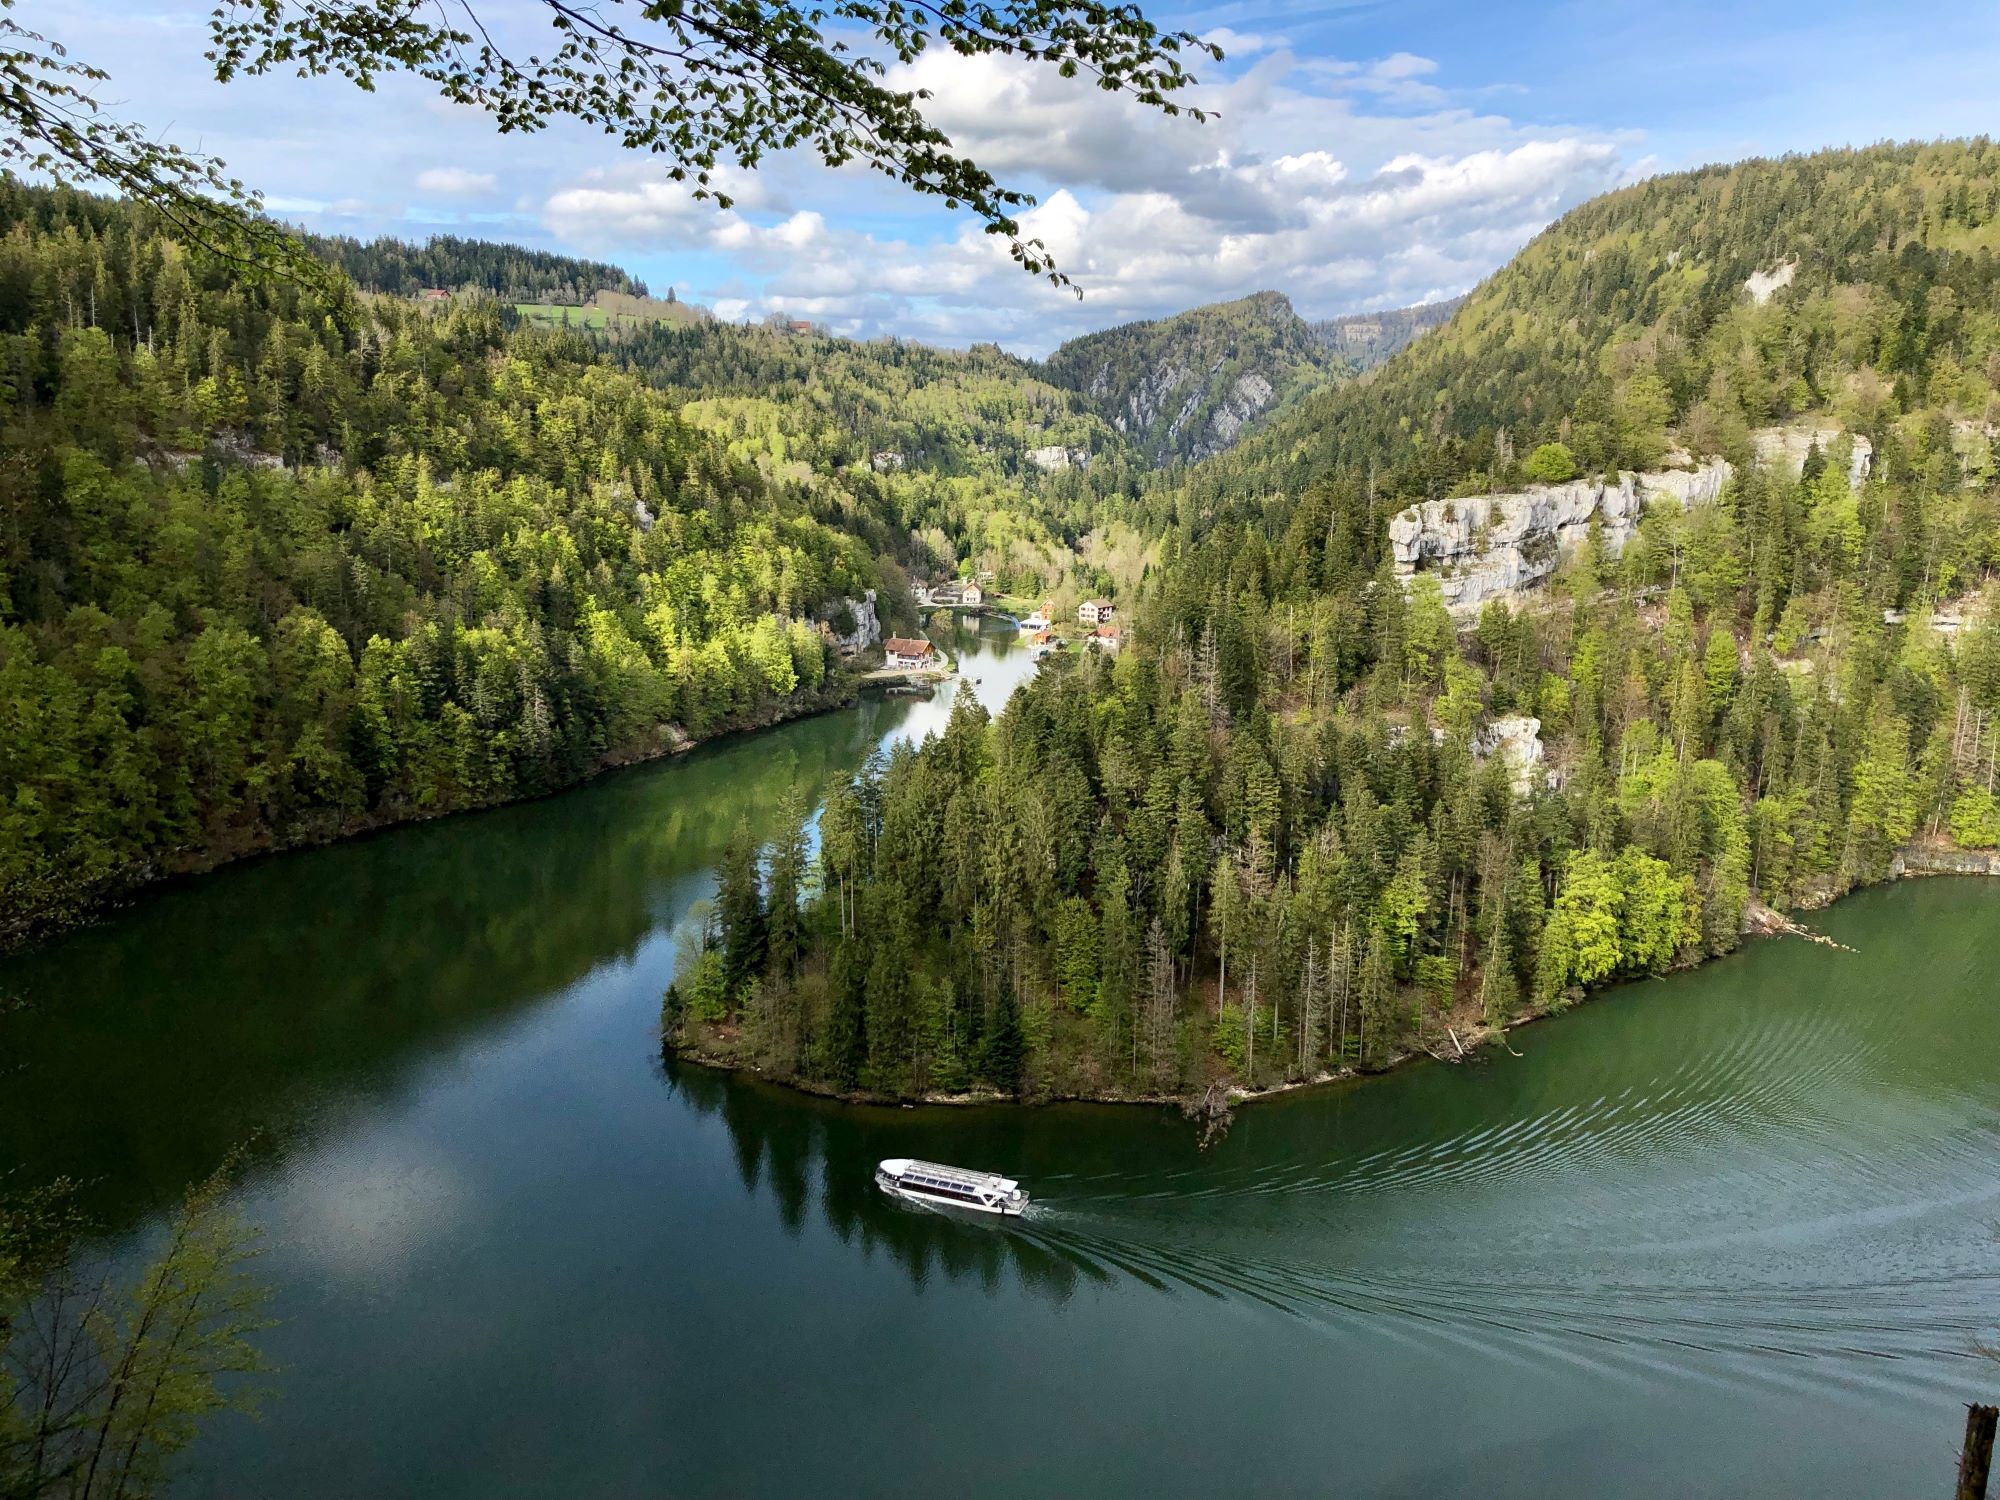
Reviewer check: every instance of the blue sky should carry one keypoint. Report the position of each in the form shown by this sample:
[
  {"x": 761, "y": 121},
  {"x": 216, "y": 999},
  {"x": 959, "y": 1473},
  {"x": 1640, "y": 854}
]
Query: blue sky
[{"x": 1365, "y": 155}]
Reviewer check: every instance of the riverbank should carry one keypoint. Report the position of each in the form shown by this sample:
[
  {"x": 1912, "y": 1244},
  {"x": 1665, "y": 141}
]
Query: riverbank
[
  {"x": 444, "y": 1041},
  {"x": 65, "y": 911},
  {"x": 1458, "y": 1035},
  {"x": 1467, "y": 1037}
]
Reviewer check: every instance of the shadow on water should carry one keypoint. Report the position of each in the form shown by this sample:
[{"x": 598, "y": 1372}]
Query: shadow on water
[
  {"x": 1776, "y": 1172},
  {"x": 512, "y": 1253},
  {"x": 815, "y": 1160},
  {"x": 245, "y": 1005},
  {"x": 248, "y": 1008}
]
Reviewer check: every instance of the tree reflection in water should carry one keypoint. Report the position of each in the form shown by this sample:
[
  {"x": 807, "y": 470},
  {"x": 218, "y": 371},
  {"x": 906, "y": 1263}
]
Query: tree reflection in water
[{"x": 808, "y": 1154}]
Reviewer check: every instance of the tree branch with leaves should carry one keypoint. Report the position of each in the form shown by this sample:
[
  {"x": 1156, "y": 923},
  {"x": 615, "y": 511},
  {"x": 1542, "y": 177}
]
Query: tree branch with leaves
[{"x": 701, "y": 84}]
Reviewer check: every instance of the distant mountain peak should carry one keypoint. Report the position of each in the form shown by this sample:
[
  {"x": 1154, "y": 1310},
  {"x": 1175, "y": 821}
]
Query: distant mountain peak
[{"x": 1186, "y": 387}]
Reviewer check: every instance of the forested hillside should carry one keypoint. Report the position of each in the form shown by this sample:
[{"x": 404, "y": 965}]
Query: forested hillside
[
  {"x": 1308, "y": 820},
  {"x": 1633, "y": 316},
  {"x": 989, "y": 465},
  {"x": 1188, "y": 386},
  {"x": 510, "y": 273},
  {"x": 1366, "y": 340},
  {"x": 279, "y": 563}
]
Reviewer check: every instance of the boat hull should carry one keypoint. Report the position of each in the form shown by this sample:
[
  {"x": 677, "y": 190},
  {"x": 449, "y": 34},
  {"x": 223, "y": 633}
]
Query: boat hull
[{"x": 1004, "y": 1209}]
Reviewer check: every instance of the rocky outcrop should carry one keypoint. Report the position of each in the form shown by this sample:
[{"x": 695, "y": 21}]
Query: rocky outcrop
[
  {"x": 1517, "y": 741},
  {"x": 1761, "y": 284},
  {"x": 1241, "y": 405},
  {"x": 1486, "y": 547},
  {"x": 852, "y": 624},
  {"x": 1055, "y": 459},
  {"x": 1941, "y": 859},
  {"x": 1366, "y": 340},
  {"x": 1187, "y": 387},
  {"x": 1787, "y": 447},
  {"x": 226, "y": 448}
]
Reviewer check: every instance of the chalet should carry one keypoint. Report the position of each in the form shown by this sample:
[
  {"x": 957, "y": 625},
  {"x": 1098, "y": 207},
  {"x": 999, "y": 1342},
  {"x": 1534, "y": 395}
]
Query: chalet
[
  {"x": 1095, "y": 612},
  {"x": 436, "y": 294},
  {"x": 1041, "y": 644},
  {"x": 972, "y": 594},
  {"x": 1106, "y": 638},
  {"x": 1039, "y": 620},
  {"x": 909, "y": 656}
]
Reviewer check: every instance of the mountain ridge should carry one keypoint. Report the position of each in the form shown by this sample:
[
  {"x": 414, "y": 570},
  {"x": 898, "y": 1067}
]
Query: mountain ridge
[{"x": 1190, "y": 385}]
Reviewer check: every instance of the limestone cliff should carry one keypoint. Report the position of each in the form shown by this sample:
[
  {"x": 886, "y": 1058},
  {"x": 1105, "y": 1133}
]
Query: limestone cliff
[
  {"x": 1187, "y": 387},
  {"x": 1487, "y": 546},
  {"x": 852, "y": 624},
  {"x": 1787, "y": 447}
]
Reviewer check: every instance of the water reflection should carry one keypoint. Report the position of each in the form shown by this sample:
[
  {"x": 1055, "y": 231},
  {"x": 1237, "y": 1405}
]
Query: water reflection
[
  {"x": 515, "y": 1253},
  {"x": 1774, "y": 1174},
  {"x": 264, "y": 1004},
  {"x": 249, "y": 1004},
  {"x": 814, "y": 1160}
]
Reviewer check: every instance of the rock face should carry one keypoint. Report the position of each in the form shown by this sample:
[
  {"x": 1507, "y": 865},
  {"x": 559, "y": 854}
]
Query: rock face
[
  {"x": 1789, "y": 445},
  {"x": 1186, "y": 387},
  {"x": 1487, "y": 546},
  {"x": 1365, "y": 340},
  {"x": 1926, "y": 859},
  {"x": 1241, "y": 405},
  {"x": 1762, "y": 284},
  {"x": 1167, "y": 401},
  {"x": 1518, "y": 742},
  {"x": 865, "y": 629},
  {"x": 1055, "y": 460}
]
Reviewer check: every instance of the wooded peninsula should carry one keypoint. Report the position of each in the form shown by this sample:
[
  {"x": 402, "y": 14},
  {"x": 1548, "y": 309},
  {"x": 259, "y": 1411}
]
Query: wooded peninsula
[{"x": 1654, "y": 581}]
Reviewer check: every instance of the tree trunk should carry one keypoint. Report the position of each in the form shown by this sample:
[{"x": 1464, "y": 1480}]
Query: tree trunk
[{"x": 1975, "y": 1461}]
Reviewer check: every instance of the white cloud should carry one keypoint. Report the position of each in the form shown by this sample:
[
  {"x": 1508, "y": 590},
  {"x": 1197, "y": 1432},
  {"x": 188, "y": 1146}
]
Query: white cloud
[
  {"x": 456, "y": 182},
  {"x": 635, "y": 204},
  {"x": 1294, "y": 185},
  {"x": 1403, "y": 65},
  {"x": 1236, "y": 44}
]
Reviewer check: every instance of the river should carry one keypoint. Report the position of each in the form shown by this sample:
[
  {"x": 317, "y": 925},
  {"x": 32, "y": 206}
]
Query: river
[{"x": 1733, "y": 1233}]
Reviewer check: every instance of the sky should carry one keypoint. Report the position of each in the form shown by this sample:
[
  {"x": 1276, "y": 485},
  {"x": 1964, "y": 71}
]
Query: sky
[{"x": 1361, "y": 155}]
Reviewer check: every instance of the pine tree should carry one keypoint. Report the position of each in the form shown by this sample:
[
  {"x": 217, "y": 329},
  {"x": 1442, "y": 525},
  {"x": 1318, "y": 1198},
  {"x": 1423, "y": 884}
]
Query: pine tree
[{"x": 739, "y": 905}]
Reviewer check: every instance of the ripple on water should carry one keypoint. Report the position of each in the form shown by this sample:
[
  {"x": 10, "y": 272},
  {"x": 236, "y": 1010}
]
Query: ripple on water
[{"x": 1790, "y": 1206}]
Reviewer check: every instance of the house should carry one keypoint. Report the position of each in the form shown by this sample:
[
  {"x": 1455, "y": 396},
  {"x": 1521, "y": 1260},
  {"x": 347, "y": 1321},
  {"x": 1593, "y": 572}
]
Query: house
[
  {"x": 909, "y": 656},
  {"x": 1039, "y": 620},
  {"x": 921, "y": 593},
  {"x": 1095, "y": 612},
  {"x": 1041, "y": 644},
  {"x": 972, "y": 594},
  {"x": 800, "y": 325},
  {"x": 436, "y": 294},
  {"x": 1106, "y": 638}
]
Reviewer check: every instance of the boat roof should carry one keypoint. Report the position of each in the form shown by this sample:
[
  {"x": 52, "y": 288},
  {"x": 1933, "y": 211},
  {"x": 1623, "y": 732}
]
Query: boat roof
[{"x": 900, "y": 1166}]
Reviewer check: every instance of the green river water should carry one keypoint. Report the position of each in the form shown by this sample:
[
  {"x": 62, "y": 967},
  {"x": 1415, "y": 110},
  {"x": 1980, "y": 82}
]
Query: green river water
[{"x": 1737, "y": 1233}]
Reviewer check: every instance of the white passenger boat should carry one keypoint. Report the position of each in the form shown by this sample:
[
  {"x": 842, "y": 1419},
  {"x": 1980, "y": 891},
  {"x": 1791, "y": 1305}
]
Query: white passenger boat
[{"x": 950, "y": 1187}]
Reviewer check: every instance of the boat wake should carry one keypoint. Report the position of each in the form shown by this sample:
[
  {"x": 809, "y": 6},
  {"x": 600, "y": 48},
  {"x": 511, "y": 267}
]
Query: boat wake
[{"x": 1712, "y": 1223}]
